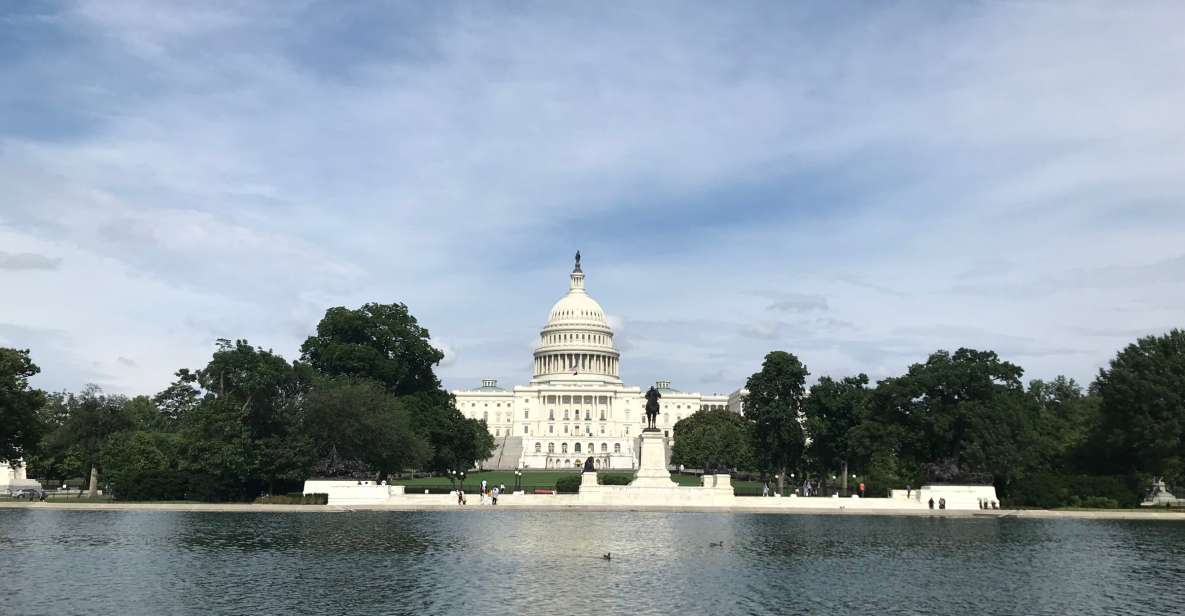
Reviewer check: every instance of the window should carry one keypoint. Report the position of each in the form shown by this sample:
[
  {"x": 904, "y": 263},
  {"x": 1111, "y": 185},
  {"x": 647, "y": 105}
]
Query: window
[
  {"x": 497, "y": 432},
  {"x": 604, "y": 447},
  {"x": 566, "y": 415},
  {"x": 485, "y": 415},
  {"x": 591, "y": 449},
  {"x": 551, "y": 414},
  {"x": 576, "y": 448},
  {"x": 563, "y": 448},
  {"x": 551, "y": 429},
  {"x": 526, "y": 414},
  {"x": 551, "y": 448},
  {"x": 526, "y": 429},
  {"x": 602, "y": 414},
  {"x": 587, "y": 415},
  {"x": 616, "y": 447},
  {"x": 565, "y": 428},
  {"x": 538, "y": 447},
  {"x": 602, "y": 429},
  {"x": 627, "y": 429}
]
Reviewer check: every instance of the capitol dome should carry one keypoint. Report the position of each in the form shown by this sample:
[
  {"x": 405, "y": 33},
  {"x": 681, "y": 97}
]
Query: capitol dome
[{"x": 577, "y": 342}]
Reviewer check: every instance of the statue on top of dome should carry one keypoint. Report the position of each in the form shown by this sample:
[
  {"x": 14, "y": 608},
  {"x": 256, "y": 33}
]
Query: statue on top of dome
[
  {"x": 652, "y": 397},
  {"x": 577, "y": 261}
]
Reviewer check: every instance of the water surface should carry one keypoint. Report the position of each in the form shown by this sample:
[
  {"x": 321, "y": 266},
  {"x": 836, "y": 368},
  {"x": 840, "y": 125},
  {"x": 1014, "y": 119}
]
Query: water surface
[{"x": 507, "y": 562}]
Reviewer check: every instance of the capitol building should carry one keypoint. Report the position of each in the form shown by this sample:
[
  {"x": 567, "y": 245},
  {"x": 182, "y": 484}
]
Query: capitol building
[{"x": 575, "y": 405}]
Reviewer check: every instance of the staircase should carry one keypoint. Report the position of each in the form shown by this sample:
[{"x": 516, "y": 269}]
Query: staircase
[{"x": 506, "y": 454}]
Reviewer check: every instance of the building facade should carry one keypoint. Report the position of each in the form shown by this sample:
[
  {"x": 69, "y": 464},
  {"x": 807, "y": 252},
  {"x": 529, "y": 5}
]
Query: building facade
[{"x": 575, "y": 405}]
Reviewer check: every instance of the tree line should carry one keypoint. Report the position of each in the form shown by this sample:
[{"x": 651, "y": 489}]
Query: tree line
[
  {"x": 965, "y": 416},
  {"x": 362, "y": 400}
]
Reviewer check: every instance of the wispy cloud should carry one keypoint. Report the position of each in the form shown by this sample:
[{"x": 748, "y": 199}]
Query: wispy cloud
[{"x": 27, "y": 261}]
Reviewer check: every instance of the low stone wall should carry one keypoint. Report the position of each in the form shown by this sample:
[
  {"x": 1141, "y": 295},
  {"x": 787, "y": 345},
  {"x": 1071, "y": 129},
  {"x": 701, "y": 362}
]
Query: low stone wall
[{"x": 715, "y": 492}]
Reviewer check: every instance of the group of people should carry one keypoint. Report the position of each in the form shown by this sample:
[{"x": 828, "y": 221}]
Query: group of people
[
  {"x": 809, "y": 488},
  {"x": 487, "y": 492}
]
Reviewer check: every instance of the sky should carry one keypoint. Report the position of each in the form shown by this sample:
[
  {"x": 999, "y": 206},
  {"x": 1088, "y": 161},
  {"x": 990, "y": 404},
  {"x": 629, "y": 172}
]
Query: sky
[{"x": 860, "y": 184}]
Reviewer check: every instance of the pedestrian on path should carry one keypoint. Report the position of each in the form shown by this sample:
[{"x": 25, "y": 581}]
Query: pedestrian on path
[{"x": 494, "y": 496}]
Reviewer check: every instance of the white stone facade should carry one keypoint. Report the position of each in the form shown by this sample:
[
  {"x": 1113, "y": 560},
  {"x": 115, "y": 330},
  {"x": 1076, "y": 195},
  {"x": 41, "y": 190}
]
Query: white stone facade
[
  {"x": 575, "y": 405},
  {"x": 14, "y": 478}
]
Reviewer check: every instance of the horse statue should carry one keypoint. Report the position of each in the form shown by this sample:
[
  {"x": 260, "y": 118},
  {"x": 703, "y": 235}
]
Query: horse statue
[{"x": 652, "y": 397}]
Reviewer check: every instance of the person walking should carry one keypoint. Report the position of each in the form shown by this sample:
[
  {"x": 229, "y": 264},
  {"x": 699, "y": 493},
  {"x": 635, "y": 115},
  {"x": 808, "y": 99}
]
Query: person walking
[
  {"x": 908, "y": 491},
  {"x": 931, "y": 502},
  {"x": 765, "y": 489},
  {"x": 494, "y": 496},
  {"x": 861, "y": 489}
]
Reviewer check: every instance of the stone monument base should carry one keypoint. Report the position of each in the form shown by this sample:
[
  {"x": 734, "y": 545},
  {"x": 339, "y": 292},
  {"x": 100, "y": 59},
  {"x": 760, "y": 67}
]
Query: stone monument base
[{"x": 652, "y": 466}]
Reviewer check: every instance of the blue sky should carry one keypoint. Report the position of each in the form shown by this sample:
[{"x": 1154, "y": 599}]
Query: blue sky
[{"x": 860, "y": 184}]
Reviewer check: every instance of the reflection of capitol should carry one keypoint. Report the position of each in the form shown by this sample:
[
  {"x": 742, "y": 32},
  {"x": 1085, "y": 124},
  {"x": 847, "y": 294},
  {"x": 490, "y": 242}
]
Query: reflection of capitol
[{"x": 575, "y": 406}]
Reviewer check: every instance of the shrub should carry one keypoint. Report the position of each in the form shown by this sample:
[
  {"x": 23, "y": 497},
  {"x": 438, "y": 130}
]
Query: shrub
[
  {"x": 614, "y": 480},
  {"x": 1049, "y": 490},
  {"x": 568, "y": 484},
  {"x": 151, "y": 485},
  {"x": 1097, "y": 502}
]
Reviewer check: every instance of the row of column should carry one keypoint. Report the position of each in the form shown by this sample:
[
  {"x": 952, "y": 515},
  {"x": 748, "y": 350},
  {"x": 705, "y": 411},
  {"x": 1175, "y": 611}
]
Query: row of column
[{"x": 580, "y": 362}]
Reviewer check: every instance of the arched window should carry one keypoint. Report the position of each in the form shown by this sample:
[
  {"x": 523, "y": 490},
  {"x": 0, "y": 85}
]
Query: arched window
[
  {"x": 616, "y": 447},
  {"x": 576, "y": 448},
  {"x": 563, "y": 448},
  {"x": 604, "y": 447},
  {"x": 591, "y": 449},
  {"x": 551, "y": 448},
  {"x": 538, "y": 447}
]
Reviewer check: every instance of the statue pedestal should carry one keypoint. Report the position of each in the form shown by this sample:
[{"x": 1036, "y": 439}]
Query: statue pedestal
[
  {"x": 588, "y": 479},
  {"x": 652, "y": 468}
]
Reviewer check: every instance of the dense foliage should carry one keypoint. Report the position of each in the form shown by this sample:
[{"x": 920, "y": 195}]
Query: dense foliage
[
  {"x": 363, "y": 403},
  {"x": 20, "y": 428},
  {"x": 713, "y": 439},
  {"x": 967, "y": 416}
]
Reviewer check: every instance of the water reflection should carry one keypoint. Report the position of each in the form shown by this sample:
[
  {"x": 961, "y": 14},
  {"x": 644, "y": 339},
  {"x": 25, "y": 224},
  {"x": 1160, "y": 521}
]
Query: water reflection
[{"x": 498, "y": 562}]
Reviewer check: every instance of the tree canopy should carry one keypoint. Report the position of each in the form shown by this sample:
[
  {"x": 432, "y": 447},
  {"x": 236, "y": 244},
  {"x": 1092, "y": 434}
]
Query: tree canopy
[
  {"x": 20, "y": 404},
  {"x": 1143, "y": 405},
  {"x": 713, "y": 439},
  {"x": 381, "y": 342},
  {"x": 774, "y": 404}
]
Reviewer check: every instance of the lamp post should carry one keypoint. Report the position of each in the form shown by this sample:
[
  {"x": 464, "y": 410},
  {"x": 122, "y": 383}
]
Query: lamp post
[{"x": 518, "y": 480}]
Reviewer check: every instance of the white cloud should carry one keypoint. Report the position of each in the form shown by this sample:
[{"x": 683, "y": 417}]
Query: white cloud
[{"x": 1001, "y": 167}]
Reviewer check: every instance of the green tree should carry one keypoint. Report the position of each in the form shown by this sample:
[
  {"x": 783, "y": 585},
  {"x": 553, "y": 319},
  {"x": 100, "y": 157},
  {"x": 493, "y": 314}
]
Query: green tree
[
  {"x": 833, "y": 409},
  {"x": 457, "y": 442},
  {"x": 91, "y": 418},
  {"x": 20, "y": 424},
  {"x": 382, "y": 342},
  {"x": 360, "y": 425},
  {"x": 1143, "y": 406},
  {"x": 712, "y": 438},
  {"x": 246, "y": 432},
  {"x": 131, "y": 457},
  {"x": 774, "y": 404},
  {"x": 960, "y": 416}
]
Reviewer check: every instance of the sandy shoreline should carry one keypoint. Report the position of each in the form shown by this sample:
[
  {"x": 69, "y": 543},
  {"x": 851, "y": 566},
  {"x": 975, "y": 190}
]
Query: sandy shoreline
[{"x": 1133, "y": 514}]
